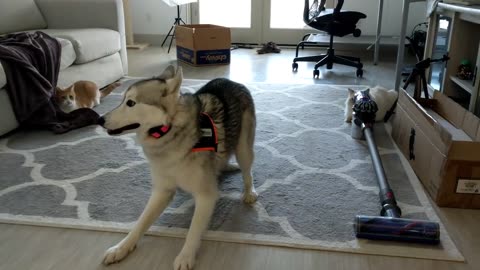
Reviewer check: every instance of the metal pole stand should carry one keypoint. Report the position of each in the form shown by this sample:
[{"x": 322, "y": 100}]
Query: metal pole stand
[{"x": 171, "y": 33}]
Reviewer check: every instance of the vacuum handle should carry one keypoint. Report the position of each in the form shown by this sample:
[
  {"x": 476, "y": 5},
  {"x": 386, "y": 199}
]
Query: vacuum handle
[
  {"x": 377, "y": 162},
  {"x": 387, "y": 198}
]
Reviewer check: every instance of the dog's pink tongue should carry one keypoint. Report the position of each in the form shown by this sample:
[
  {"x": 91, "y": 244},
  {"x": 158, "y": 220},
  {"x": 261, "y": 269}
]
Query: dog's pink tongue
[{"x": 164, "y": 128}]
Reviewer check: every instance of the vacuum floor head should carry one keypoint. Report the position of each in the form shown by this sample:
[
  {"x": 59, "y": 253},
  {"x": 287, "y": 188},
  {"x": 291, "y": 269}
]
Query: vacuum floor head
[{"x": 397, "y": 229}]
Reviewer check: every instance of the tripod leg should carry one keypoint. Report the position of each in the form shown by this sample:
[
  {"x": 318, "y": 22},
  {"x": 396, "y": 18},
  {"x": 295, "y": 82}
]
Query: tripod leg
[
  {"x": 171, "y": 28},
  {"x": 409, "y": 79},
  {"x": 424, "y": 84},
  {"x": 417, "y": 92},
  {"x": 171, "y": 40}
]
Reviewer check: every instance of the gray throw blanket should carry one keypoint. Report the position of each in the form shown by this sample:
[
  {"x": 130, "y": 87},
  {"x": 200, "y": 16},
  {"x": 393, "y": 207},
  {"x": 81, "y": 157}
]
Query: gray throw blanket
[{"x": 31, "y": 62}]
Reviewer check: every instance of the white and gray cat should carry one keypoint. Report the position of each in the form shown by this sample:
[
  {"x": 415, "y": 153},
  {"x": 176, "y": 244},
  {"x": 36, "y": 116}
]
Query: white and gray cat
[{"x": 383, "y": 97}]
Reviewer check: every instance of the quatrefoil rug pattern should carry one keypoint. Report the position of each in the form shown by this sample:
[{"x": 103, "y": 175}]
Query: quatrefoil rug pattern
[{"x": 311, "y": 176}]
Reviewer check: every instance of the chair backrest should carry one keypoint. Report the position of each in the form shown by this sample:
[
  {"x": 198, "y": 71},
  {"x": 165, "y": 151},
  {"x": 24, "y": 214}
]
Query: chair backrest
[
  {"x": 313, "y": 11},
  {"x": 336, "y": 22},
  {"x": 310, "y": 12},
  {"x": 338, "y": 7}
]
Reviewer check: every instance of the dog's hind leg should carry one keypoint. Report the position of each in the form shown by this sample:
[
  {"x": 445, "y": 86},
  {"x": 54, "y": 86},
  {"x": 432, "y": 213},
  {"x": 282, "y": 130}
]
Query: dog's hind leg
[
  {"x": 245, "y": 155},
  {"x": 158, "y": 201},
  {"x": 204, "y": 205}
]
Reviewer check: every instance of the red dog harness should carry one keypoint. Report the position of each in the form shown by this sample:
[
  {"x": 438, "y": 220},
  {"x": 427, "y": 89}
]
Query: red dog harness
[{"x": 207, "y": 142}]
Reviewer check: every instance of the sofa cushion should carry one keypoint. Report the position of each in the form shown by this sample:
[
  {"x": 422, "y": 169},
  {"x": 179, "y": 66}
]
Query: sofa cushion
[
  {"x": 68, "y": 53},
  {"x": 89, "y": 44},
  {"x": 102, "y": 71},
  {"x": 20, "y": 15}
]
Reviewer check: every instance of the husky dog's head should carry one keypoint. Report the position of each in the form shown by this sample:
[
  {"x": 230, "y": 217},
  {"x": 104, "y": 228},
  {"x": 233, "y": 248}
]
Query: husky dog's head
[{"x": 146, "y": 105}]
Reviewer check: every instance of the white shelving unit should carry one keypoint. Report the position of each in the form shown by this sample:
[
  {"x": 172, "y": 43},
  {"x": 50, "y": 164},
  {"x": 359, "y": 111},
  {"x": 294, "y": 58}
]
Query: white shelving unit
[
  {"x": 466, "y": 85},
  {"x": 463, "y": 43}
]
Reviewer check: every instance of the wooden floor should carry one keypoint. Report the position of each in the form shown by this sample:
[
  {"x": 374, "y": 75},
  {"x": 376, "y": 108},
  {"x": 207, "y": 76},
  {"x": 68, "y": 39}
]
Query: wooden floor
[
  {"x": 248, "y": 66},
  {"x": 38, "y": 248}
]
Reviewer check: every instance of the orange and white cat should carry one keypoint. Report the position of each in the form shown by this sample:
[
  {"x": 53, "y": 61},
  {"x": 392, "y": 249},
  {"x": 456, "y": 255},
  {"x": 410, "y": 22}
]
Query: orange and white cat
[{"x": 81, "y": 94}]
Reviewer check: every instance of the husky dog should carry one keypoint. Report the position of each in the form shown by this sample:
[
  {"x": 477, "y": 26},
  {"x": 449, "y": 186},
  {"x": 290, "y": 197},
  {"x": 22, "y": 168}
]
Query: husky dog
[
  {"x": 383, "y": 97},
  {"x": 170, "y": 126}
]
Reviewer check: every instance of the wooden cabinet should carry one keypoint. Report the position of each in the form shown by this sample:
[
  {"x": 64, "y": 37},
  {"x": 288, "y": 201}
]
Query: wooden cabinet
[{"x": 455, "y": 30}]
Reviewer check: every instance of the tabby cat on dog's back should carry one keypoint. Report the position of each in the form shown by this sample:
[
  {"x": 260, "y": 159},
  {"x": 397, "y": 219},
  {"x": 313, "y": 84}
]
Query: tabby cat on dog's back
[{"x": 81, "y": 94}]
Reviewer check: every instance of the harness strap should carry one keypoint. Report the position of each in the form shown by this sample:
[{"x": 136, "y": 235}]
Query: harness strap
[{"x": 209, "y": 139}]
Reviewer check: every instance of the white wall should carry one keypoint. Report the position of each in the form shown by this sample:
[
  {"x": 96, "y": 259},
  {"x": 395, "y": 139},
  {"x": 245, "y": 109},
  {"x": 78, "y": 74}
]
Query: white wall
[
  {"x": 392, "y": 15},
  {"x": 153, "y": 17}
]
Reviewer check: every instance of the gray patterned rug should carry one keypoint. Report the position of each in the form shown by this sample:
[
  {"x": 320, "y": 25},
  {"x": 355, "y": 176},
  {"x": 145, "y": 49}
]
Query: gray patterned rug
[{"x": 311, "y": 176}]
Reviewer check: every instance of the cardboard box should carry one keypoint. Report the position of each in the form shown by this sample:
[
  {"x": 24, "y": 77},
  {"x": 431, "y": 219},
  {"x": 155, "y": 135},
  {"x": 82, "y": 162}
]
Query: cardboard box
[
  {"x": 441, "y": 141},
  {"x": 203, "y": 44}
]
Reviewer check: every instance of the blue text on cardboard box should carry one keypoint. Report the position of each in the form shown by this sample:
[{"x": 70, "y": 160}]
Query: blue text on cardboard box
[{"x": 208, "y": 57}]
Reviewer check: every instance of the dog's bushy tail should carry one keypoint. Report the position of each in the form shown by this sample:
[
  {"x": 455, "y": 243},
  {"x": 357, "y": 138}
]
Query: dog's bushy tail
[{"x": 236, "y": 100}]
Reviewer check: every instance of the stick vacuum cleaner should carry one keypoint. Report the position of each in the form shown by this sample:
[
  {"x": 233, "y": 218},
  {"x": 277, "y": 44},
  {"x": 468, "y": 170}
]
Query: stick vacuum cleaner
[{"x": 389, "y": 225}]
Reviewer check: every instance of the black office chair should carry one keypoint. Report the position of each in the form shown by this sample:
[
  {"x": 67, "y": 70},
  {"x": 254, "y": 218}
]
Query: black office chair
[{"x": 336, "y": 23}]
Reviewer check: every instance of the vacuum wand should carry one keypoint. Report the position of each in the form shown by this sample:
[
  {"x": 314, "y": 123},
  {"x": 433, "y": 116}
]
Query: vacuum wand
[
  {"x": 387, "y": 198},
  {"x": 389, "y": 225}
]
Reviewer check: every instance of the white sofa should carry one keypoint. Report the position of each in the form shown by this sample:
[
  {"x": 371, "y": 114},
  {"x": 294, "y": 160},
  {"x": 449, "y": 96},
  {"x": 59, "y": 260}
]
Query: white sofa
[{"x": 91, "y": 32}]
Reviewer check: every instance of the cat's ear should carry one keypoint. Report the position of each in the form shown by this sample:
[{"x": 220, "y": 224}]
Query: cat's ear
[
  {"x": 58, "y": 89},
  {"x": 367, "y": 91},
  {"x": 168, "y": 73},
  {"x": 351, "y": 92}
]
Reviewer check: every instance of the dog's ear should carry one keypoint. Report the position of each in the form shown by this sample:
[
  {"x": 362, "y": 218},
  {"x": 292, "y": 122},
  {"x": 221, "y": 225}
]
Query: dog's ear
[
  {"x": 351, "y": 92},
  {"x": 168, "y": 73},
  {"x": 175, "y": 82},
  {"x": 179, "y": 71}
]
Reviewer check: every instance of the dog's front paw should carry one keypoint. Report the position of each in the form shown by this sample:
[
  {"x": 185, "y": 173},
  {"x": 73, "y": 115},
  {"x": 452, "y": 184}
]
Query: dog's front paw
[
  {"x": 230, "y": 167},
  {"x": 184, "y": 261},
  {"x": 250, "y": 197},
  {"x": 117, "y": 253}
]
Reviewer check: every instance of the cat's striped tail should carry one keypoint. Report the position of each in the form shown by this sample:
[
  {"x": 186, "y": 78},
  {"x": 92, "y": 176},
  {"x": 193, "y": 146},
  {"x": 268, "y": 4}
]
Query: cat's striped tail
[{"x": 107, "y": 90}]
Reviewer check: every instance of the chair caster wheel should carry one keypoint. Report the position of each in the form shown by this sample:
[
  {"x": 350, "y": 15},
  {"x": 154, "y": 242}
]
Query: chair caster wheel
[
  {"x": 316, "y": 73},
  {"x": 294, "y": 67},
  {"x": 359, "y": 73},
  {"x": 357, "y": 32},
  {"x": 329, "y": 65}
]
